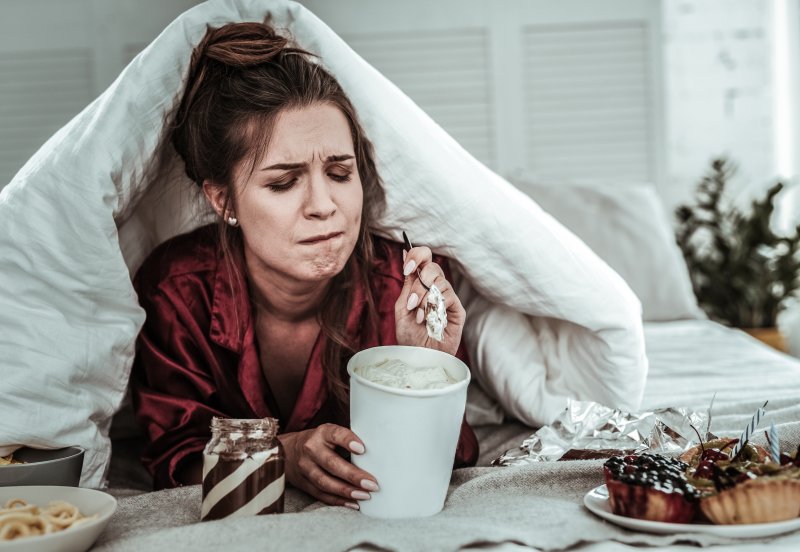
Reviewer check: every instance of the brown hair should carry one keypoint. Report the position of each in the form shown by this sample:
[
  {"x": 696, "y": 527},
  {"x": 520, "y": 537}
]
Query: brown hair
[{"x": 241, "y": 76}]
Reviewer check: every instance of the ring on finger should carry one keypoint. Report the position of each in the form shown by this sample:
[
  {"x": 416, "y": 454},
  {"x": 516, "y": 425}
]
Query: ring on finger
[{"x": 432, "y": 280}]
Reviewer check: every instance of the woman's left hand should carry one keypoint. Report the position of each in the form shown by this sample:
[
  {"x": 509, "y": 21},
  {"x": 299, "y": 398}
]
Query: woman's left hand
[{"x": 409, "y": 310}]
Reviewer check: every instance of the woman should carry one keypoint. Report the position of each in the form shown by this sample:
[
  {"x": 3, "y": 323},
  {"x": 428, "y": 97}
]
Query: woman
[{"x": 256, "y": 316}]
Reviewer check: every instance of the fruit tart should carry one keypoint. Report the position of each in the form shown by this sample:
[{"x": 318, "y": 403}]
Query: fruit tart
[
  {"x": 745, "y": 488},
  {"x": 650, "y": 487}
]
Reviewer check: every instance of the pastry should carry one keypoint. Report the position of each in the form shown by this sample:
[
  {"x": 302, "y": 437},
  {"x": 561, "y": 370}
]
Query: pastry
[
  {"x": 753, "y": 498},
  {"x": 745, "y": 488},
  {"x": 650, "y": 487}
]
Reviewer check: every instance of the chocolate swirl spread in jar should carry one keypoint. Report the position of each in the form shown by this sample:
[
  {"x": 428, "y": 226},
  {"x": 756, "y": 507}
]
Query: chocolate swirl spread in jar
[{"x": 243, "y": 469}]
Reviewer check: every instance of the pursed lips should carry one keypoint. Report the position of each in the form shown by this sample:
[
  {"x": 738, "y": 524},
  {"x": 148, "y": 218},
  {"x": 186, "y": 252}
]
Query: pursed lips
[{"x": 321, "y": 238}]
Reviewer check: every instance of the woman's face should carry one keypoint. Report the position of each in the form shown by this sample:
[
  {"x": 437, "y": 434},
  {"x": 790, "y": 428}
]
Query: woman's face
[{"x": 300, "y": 210}]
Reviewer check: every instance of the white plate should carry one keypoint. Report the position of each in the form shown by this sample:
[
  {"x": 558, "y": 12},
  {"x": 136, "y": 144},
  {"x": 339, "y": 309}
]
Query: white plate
[
  {"x": 76, "y": 539},
  {"x": 597, "y": 502}
]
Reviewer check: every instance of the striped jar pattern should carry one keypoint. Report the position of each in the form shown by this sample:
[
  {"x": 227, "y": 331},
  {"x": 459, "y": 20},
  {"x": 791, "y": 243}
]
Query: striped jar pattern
[{"x": 243, "y": 469}]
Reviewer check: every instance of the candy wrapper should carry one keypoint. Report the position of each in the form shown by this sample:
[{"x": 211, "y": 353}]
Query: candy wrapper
[
  {"x": 435, "y": 309},
  {"x": 590, "y": 430},
  {"x": 435, "y": 313}
]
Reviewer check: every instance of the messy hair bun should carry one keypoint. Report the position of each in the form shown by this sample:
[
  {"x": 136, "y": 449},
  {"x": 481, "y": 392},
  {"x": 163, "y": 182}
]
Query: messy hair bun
[
  {"x": 243, "y": 45},
  {"x": 219, "y": 54}
]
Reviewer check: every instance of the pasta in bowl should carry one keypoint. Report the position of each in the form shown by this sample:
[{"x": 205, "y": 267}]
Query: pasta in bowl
[{"x": 49, "y": 518}]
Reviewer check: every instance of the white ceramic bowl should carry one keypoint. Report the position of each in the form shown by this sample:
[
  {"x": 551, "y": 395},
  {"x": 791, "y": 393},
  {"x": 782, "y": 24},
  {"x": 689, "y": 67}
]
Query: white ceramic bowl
[
  {"x": 410, "y": 436},
  {"x": 74, "y": 539}
]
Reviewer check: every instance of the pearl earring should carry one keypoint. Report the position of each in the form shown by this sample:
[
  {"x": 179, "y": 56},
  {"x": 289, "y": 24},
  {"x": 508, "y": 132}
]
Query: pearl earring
[{"x": 233, "y": 221}]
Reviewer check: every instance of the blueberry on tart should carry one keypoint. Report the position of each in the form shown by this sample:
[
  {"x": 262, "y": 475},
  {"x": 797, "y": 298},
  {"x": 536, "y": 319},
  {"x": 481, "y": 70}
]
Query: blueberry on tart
[{"x": 650, "y": 487}]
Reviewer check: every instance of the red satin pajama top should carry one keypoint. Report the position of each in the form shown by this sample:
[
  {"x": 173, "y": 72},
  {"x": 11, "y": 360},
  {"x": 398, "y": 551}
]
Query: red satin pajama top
[{"x": 197, "y": 359}]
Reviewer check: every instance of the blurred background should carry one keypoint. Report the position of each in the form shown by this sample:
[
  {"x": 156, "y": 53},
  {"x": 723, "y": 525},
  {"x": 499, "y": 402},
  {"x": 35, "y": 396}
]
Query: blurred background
[
  {"x": 645, "y": 91},
  {"x": 629, "y": 91}
]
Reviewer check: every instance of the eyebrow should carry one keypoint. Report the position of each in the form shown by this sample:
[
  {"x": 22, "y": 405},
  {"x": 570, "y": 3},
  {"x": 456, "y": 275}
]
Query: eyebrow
[{"x": 293, "y": 166}]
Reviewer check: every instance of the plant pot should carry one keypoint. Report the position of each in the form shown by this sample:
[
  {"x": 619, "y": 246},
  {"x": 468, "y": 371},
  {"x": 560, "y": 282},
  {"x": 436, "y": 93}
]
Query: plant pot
[{"x": 770, "y": 336}]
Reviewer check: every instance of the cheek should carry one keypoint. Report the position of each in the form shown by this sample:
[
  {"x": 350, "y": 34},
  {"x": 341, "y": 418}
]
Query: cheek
[
  {"x": 269, "y": 221},
  {"x": 354, "y": 203},
  {"x": 268, "y": 209}
]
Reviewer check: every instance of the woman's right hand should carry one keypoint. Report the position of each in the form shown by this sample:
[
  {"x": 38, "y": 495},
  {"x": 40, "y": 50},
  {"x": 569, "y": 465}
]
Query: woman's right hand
[{"x": 313, "y": 465}]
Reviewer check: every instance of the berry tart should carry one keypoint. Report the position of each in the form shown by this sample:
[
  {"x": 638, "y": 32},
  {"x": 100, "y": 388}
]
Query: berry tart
[
  {"x": 747, "y": 488},
  {"x": 650, "y": 487}
]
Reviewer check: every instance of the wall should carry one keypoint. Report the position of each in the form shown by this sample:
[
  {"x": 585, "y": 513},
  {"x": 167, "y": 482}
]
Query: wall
[
  {"x": 619, "y": 89},
  {"x": 722, "y": 82},
  {"x": 555, "y": 90},
  {"x": 56, "y": 56}
]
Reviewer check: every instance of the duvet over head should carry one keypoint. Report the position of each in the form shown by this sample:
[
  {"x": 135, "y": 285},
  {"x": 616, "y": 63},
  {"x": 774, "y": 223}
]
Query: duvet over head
[{"x": 547, "y": 318}]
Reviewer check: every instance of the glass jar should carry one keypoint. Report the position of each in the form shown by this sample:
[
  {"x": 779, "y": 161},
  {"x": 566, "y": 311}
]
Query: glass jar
[{"x": 243, "y": 469}]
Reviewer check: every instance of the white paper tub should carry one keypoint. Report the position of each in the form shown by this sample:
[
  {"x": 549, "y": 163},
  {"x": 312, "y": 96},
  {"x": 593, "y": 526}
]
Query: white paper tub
[{"x": 410, "y": 436}]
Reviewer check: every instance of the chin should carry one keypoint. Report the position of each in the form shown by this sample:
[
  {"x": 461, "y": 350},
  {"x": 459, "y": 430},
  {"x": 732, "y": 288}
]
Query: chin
[
  {"x": 327, "y": 262},
  {"x": 325, "y": 267}
]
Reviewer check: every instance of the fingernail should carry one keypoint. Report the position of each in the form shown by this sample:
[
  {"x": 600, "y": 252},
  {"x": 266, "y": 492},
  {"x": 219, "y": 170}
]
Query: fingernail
[
  {"x": 360, "y": 495},
  {"x": 420, "y": 316},
  {"x": 356, "y": 447},
  {"x": 370, "y": 485},
  {"x": 409, "y": 268},
  {"x": 413, "y": 300},
  {"x": 404, "y": 255},
  {"x": 351, "y": 505}
]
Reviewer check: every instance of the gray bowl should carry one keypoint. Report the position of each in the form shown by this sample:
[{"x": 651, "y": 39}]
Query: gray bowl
[{"x": 44, "y": 467}]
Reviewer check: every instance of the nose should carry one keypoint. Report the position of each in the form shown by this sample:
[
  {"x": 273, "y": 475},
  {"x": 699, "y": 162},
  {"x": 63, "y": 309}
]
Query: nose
[{"x": 319, "y": 201}]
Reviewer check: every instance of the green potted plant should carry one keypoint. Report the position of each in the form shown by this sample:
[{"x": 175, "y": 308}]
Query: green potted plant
[{"x": 743, "y": 273}]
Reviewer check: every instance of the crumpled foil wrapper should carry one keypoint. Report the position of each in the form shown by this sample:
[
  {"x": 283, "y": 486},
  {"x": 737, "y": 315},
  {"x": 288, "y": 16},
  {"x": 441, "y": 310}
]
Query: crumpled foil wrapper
[
  {"x": 587, "y": 429},
  {"x": 435, "y": 313}
]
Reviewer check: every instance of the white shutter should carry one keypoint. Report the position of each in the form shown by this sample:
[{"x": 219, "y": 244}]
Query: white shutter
[
  {"x": 445, "y": 73},
  {"x": 39, "y": 92},
  {"x": 56, "y": 56},
  {"x": 587, "y": 105}
]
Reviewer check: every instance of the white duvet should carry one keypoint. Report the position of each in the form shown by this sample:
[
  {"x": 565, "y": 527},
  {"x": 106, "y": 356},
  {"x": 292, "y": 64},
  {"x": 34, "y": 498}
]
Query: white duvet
[{"x": 547, "y": 318}]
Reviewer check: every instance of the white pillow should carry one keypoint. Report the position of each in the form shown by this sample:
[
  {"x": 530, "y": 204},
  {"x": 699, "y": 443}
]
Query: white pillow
[
  {"x": 530, "y": 365},
  {"x": 67, "y": 307},
  {"x": 627, "y": 226}
]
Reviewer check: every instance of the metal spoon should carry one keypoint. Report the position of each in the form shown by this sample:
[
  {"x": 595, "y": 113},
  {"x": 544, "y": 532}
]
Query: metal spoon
[{"x": 408, "y": 247}]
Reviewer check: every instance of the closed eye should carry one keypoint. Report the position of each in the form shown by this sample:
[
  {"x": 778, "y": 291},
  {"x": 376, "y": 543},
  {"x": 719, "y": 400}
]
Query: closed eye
[
  {"x": 282, "y": 186},
  {"x": 340, "y": 177}
]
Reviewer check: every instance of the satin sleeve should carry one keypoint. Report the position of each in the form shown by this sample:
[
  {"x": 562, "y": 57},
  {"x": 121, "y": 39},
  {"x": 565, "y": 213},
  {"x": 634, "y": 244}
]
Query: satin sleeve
[
  {"x": 468, "y": 448},
  {"x": 174, "y": 392}
]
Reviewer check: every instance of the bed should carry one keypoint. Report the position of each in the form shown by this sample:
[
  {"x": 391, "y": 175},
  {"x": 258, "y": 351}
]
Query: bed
[
  {"x": 540, "y": 331},
  {"x": 538, "y": 506}
]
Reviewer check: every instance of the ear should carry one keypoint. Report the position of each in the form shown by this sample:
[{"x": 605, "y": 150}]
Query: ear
[{"x": 216, "y": 194}]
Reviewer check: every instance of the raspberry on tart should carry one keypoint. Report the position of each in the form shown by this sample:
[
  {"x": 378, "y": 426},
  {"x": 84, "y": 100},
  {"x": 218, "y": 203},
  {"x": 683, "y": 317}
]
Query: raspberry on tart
[{"x": 650, "y": 487}]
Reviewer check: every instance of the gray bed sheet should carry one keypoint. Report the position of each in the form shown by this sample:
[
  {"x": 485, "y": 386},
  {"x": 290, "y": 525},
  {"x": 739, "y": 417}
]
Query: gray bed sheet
[{"x": 532, "y": 507}]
